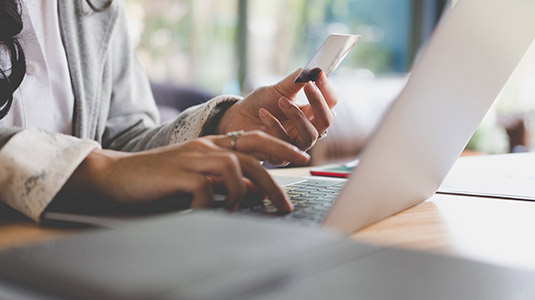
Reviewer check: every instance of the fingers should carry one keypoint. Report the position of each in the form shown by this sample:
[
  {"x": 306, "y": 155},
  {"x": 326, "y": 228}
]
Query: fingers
[
  {"x": 264, "y": 182},
  {"x": 223, "y": 165},
  {"x": 197, "y": 184},
  {"x": 323, "y": 116},
  {"x": 287, "y": 87},
  {"x": 327, "y": 90},
  {"x": 275, "y": 128},
  {"x": 273, "y": 125},
  {"x": 260, "y": 184},
  {"x": 262, "y": 145},
  {"x": 306, "y": 132},
  {"x": 260, "y": 142},
  {"x": 253, "y": 196},
  {"x": 210, "y": 157},
  {"x": 229, "y": 169}
]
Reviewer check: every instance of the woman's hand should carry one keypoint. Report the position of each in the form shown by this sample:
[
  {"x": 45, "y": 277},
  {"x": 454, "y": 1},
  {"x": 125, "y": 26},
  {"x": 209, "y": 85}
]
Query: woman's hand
[
  {"x": 272, "y": 109},
  {"x": 197, "y": 167}
]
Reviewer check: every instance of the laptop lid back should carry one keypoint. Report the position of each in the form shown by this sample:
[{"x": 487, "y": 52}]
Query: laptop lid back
[{"x": 466, "y": 63}]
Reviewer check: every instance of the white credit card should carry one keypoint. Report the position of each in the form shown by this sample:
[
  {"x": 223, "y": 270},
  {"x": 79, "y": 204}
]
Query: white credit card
[{"x": 329, "y": 56}]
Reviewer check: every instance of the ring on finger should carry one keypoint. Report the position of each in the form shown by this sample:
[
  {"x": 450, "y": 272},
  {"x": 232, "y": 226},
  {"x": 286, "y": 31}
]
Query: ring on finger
[
  {"x": 323, "y": 135},
  {"x": 234, "y": 135}
]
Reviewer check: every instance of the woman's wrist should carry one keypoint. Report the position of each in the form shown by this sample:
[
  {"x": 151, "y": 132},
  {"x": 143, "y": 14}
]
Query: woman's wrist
[
  {"x": 90, "y": 176},
  {"x": 228, "y": 118},
  {"x": 214, "y": 126},
  {"x": 220, "y": 124}
]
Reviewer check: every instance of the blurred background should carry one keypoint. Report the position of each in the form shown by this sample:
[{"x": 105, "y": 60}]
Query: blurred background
[{"x": 211, "y": 47}]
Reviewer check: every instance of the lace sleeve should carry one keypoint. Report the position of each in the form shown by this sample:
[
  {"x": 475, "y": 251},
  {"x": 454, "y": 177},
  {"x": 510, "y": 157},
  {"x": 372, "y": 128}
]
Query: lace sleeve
[
  {"x": 34, "y": 166},
  {"x": 193, "y": 122}
]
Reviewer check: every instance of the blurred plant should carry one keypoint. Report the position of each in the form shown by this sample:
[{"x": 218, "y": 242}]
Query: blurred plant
[{"x": 185, "y": 41}]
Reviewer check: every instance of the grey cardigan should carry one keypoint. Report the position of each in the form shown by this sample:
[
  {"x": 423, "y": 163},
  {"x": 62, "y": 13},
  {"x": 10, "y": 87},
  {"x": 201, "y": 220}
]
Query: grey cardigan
[{"x": 114, "y": 109}]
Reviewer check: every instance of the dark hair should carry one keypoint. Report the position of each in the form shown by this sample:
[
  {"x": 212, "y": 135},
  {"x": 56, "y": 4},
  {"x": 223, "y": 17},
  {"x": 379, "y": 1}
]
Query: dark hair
[{"x": 10, "y": 27}]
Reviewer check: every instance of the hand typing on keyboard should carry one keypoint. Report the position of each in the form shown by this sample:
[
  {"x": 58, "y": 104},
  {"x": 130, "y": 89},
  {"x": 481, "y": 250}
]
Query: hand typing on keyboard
[{"x": 312, "y": 199}]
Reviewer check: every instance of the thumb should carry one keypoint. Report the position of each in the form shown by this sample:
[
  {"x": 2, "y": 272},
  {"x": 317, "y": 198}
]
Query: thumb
[{"x": 287, "y": 87}]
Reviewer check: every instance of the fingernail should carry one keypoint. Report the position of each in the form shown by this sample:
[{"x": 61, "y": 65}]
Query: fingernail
[
  {"x": 290, "y": 206},
  {"x": 262, "y": 113},
  {"x": 321, "y": 78},
  {"x": 285, "y": 103},
  {"x": 303, "y": 153}
]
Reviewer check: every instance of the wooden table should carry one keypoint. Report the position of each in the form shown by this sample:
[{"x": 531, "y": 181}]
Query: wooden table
[
  {"x": 485, "y": 229},
  {"x": 16, "y": 230},
  {"x": 491, "y": 230}
]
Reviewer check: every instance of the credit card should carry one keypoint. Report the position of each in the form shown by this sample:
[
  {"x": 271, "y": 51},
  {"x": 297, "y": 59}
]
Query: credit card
[{"x": 328, "y": 57}]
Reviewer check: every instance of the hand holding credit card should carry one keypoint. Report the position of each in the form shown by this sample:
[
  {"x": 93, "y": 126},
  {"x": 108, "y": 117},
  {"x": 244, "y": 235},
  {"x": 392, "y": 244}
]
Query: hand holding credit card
[{"x": 328, "y": 57}]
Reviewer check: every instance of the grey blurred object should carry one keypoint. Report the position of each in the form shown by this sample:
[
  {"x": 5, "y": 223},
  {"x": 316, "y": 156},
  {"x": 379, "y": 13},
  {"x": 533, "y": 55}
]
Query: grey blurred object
[
  {"x": 208, "y": 255},
  {"x": 171, "y": 99}
]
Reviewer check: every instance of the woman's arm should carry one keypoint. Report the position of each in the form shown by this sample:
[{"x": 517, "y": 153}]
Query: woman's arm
[{"x": 36, "y": 165}]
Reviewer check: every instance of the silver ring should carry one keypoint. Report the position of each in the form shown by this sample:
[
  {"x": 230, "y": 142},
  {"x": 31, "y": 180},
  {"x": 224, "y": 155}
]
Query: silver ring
[
  {"x": 333, "y": 113},
  {"x": 323, "y": 135},
  {"x": 234, "y": 135}
]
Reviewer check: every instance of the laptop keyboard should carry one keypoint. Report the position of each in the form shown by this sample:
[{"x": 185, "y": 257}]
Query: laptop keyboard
[{"x": 312, "y": 200}]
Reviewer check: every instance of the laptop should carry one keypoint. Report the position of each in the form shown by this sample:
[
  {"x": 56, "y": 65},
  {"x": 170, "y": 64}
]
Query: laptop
[{"x": 463, "y": 68}]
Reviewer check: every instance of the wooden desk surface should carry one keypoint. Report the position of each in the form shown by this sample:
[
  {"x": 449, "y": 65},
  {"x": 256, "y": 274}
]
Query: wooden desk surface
[
  {"x": 485, "y": 229},
  {"x": 16, "y": 230},
  {"x": 490, "y": 230}
]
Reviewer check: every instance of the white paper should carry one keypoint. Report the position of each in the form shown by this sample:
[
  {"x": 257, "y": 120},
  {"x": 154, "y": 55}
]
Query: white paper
[{"x": 507, "y": 176}]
